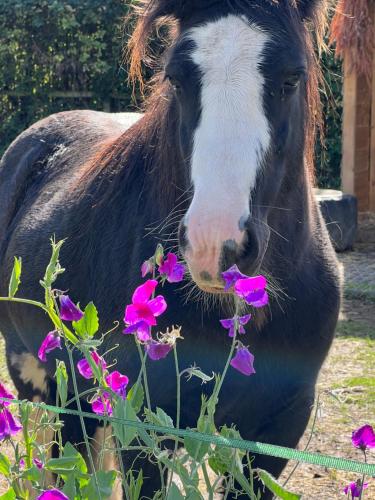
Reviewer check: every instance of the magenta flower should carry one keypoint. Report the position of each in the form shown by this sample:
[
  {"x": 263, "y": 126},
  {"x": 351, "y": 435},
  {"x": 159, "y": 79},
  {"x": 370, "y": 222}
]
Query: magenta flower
[
  {"x": 143, "y": 310},
  {"x": 243, "y": 361},
  {"x": 51, "y": 342},
  {"x": 147, "y": 268},
  {"x": 84, "y": 367},
  {"x": 68, "y": 310},
  {"x": 52, "y": 495},
  {"x": 157, "y": 350},
  {"x": 102, "y": 405},
  {"x": 142, "y": 329},
  {"x": 38, "y": 463},
  {"x": 252, "y": 290},
  {"x": 9, "y": 425},
  {"x": 4, "y": 393},
  {"x": 231, "y": 276},
  {"x": 172, "y": 270},
  {"x": 118, "y": 383},
  {"x": 355, "y": 488},
  {"x": 236, "y": 322},
  {"x": 364, "y": 437}
]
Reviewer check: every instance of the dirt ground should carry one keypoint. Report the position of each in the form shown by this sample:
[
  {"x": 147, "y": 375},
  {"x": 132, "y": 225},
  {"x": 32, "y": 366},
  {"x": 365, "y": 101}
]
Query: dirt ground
[{"x": 346, "y": 394}]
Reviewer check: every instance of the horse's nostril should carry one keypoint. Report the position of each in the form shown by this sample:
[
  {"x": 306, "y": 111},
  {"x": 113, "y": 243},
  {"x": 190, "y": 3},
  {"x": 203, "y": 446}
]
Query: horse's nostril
[{"x": 205, "y": 276}]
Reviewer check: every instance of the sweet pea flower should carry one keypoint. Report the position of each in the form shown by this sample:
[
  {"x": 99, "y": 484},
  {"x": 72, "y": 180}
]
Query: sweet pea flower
[
  {"x": 9, "y": 425},
  {"x": 4, "y": 393},
  {"x": 243, "y": 361},
  {"x": 231, "y": 276},
  {"x": 84, "y": 367},
  {"x": 51, "y": 342},
  {"x": 172, "y": 270},
  {"x": 252, "y": 290},
  {"x": 147, "y": 268},
  {"x": 157, "y": 350},
  {"x": 68, "y": 310},
  {"x": 236, "y": 322},
  {"x": 118, "y": 383},
  {"x": 142, "y": 313},
  {"x": 364, "y": 437},
  {"x": 52, "y": 495},
  {"x": 38, "y": 463},
  {"x": 355, "y": 488},
  {"x": 102, "y": 405}
]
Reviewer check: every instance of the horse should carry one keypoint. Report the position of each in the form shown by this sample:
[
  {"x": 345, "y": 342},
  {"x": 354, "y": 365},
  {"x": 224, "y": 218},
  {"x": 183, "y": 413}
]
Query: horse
[{"x": 219, "y": 167}]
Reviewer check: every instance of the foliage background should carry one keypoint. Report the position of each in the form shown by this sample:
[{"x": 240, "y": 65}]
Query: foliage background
[{"x": 59, "y": 46}]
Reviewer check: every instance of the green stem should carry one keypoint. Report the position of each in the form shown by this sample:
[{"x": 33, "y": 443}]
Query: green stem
[
  {"x": 178, "y": 411},
  {"x": 144, "y": 374},
  {"x": 87, "y": 444},
  {"x": 208, "y": 482}
]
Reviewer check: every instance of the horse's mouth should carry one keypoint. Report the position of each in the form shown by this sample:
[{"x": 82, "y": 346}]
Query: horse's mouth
[{"x": 217, "y": 290}]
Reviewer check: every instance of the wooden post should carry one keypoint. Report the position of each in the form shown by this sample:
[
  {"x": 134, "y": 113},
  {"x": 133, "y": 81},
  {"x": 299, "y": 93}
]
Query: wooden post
[{"x": 372, "y": 147}]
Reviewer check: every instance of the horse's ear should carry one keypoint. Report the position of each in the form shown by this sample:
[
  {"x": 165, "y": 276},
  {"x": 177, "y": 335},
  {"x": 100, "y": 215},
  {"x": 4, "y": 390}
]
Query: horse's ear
[{"x": 308, "y": 8}]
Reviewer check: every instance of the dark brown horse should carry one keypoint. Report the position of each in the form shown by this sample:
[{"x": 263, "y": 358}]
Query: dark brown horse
[{"x": 221, "y": 157}]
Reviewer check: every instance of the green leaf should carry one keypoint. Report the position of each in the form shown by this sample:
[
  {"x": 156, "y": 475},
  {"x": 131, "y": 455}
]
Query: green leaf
[
  {"x": 32, "y": 474},
  {"x": 105, "y": 483},
  {"x": 62, "y": 382},
  {"x": 136, "y": 396},
  {"x": 135, "y": 485},
  {"x": 276, "y": 488},
  {"x": 88, "y": 325},
  {"x": 70, "y": 487},
  {"x": 196, "y": 372},
  {"x": 71, "y": 452},
  {"x": 53, "y": 269},
  {"x": 15, "y": 279},
  {"x": 174, "y": 493},
  {"x": 159, "y": 418},
  {"x": 9, "y": 495},
  {"x": 198, "y": 449},
  {"x": 125, "y": 433},
  {"x": 64, "y": 465},
  {"x": 4, "y": 465}
]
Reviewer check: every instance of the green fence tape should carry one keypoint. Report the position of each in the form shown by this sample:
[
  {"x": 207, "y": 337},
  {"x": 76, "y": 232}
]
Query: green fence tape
[{"x": 307, "y": 457}]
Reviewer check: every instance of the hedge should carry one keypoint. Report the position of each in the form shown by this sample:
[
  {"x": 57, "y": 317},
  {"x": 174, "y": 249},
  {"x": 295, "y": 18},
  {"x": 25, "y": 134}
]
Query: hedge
[{"x": 49, "y": 48}]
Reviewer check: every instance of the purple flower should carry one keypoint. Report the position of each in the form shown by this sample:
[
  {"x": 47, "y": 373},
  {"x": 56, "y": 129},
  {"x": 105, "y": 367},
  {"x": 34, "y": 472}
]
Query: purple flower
[
  {"x": 252, "y": 290},
  {"x": 142, "y": 329},
  {"x": 52, "y": 495},
  {"x": 4, "y": 393},
  {"x": 84, "y": 367},
  {"x": 236, "y": 322},
  {"x": 364, "y": 437},
  {"x": 355, "y": 488},
  {"x": 142, "y": 308},
  {"x": 102, "y": 405},
  {"x": 243, "y": 361},
  {"x": 147, "y": 268},
  {"x": 118, "y": 383},
  {"x": 9, "y": 425},
  {"x": 68, "y": 310},
  {"x": 38, "y": 463},
  {"x": 172, "y": 270},
  {"x": 231, "y": 276},
  {"x": 51, "y": 342},
  {"x": 157, "y": 350}
]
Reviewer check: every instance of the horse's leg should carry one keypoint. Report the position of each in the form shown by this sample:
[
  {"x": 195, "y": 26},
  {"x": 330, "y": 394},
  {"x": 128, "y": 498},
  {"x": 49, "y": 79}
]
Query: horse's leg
[{"x": 285, "y": 428}]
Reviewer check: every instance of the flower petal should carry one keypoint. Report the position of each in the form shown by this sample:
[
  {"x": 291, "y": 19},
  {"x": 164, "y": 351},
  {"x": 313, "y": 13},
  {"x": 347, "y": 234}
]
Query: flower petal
[
  {"x": 118, "y": 383},
  {"x": 157, "y": 305},
  {"x": 142, "y": 329},
  {"x": 51, "y": 342},
  {"x": 364, "y": 437},
  {"x": 243, "y": 361},
  {"x": 4, "y": 393},
  {"x": 157, "y": 350},
  {"x": 102, "y": 405},
  {"x": 245, "y": 286},
  {"x": 52, "y": 495},
  {"x": 9, "y": 425},
  {"x": 68, "y": 310},
  {"x": 144, "y": 292},
  {"x": 135, "y": 313},
  {"x": 231, "y": 276}
]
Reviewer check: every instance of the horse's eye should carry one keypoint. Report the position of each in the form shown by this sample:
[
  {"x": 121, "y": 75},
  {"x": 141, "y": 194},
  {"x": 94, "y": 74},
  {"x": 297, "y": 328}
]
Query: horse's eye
[
  {"x": 173, "y": 81},
  {"x": 292, "y": 82}
]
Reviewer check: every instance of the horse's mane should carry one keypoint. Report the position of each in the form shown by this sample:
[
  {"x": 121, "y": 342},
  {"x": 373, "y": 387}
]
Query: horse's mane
[{"x": 152, "y": 136}]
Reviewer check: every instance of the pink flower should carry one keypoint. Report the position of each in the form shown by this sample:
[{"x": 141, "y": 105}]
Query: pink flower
[
  {"x": 171, "y": 270},
  {"x": 9, "y": 425},
  {"x": 157, "y": 350},
  {"x": 243, "y": 361},
  {"x": 147, "y": 268},
  {"x": 364, "y": 437},
  {"x": 68, "y": 310},
  {"x": 118, "y": 383},
  {"x": 236, "y": 322},
  {"x": 52, "y": 495},
  {"x": 84, "y": 367},
  {"x": 144, "y": 311},
  {"x": 102, "y": 405},
  {"x": 4, "y": 393},
  {"x": 231, "y": 276},
  {"x": 252, "y": 290},
  {"x": 51, "y": 342},
  {"x": 355, "y": 489}
]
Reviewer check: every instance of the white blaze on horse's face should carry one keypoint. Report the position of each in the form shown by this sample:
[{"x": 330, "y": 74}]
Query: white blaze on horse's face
[{"x": 230, "y": 141}]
